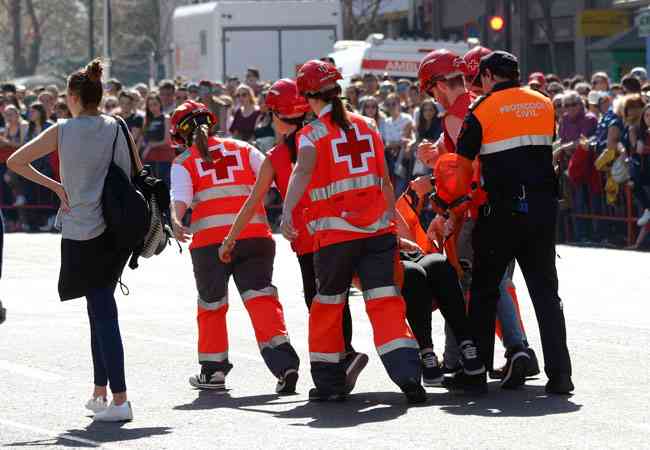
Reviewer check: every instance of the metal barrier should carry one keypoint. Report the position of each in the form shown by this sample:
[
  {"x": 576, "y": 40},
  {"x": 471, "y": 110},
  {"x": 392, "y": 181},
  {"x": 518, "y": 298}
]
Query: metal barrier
[
  {"x": 623, "y": 211},
  {"x": 37, "y": 197}
]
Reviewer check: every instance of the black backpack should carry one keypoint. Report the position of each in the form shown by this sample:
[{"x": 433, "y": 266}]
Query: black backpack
[{"x": 125, "y": 208}]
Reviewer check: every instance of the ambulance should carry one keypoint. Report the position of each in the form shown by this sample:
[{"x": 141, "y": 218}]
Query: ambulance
[
  {"x": 397, "y": 58},
  {"x": 216, "y": 40}
]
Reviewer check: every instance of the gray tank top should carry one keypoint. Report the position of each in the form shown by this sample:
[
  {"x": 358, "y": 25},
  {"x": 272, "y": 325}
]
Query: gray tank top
[{"x": 85, "y": 149}]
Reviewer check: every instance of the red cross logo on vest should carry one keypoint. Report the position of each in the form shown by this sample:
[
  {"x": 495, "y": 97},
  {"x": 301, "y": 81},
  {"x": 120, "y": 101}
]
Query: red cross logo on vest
[
  {"x": 354, "y": 148},
  {"x": 223, "y": 166}
]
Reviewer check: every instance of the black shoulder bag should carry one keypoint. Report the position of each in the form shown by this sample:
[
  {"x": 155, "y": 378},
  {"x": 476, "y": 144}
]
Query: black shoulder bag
[{"x": 135, "y": 207}]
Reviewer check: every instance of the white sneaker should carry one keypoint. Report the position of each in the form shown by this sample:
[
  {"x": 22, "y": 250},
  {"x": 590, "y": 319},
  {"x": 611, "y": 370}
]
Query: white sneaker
[
  {"x": 97, "y": 404},
  {"x": 644, "y": 219},
  {"x": 122, "y": 413}
]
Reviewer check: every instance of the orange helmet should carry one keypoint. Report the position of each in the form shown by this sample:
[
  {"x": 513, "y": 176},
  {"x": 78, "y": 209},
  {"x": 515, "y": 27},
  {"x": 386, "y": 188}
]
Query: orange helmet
[
  {"x": 284, "y": 99},
  {"x": 317, "y": 76},
  {"x": 473, "y": 60},
  {"x": 439, "y": 65},
  {"x": 186, "y": 118}
]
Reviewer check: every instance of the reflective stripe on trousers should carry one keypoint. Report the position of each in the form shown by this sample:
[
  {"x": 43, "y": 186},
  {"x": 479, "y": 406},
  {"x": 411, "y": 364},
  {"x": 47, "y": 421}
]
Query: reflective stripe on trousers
[
  {"x": 326, "y": 357},
  {"x": 348, "y": 184},
  {"x": 269, "y": 291},
  {"x": 340, "y": 224},
  {"x": 274, "y": 342},
  {"x": 213, "y": 357},
  {"x": 335, "y": 299},
  {"x": 213, "y": 306},
  {"x": 221, "y": 220},
  {"x": 515, "y": 142},
  {"x": 380, "y": 292},
  {"x": 217, "y": 192},
  {"x": 396, "y": 344}
]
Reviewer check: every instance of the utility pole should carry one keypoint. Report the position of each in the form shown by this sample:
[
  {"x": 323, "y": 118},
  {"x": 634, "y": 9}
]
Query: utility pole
[
  {"x": 91, "y": 29},
  {"x": 107, "y": 39}
]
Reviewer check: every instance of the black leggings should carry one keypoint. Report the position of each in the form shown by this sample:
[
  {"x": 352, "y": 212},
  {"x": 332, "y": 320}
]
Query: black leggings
[
  {"x": 433, "y": 278},
  {"x": 310, "y": 290}
]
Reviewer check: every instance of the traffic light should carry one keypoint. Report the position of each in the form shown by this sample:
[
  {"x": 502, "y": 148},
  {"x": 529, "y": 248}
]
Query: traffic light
[{"x": 497, "y": 23}]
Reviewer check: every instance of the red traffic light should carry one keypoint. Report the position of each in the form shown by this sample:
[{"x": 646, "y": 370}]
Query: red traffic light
[{"x": 497, "y": 23}]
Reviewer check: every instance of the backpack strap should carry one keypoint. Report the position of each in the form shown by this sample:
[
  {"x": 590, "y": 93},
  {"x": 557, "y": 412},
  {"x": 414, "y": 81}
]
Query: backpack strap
[{"x": 136, "y": 162}]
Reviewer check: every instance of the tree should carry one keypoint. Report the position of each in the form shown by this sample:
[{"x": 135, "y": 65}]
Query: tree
[
  {"x": 25, "y": 45},
  {"x": 360, "y": 17},
  {"x": 549, "y": 32},
  {"x": 42, "y": 35}
]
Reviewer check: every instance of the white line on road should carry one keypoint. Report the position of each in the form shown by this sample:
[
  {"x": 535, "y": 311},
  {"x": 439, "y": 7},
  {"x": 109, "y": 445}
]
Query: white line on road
[
  {"x": 30, "y": 372},
  {"x": 52, "y": 434}
]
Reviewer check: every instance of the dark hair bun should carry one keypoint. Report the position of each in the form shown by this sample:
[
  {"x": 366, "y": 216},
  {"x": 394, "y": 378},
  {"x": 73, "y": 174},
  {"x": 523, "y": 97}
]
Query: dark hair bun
[{"x": 94, "y": 70}]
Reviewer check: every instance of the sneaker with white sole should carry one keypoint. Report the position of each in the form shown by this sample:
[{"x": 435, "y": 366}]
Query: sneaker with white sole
[
  {"x": 113, "y": 413},
  {"x": 644, "y": 219},
  {"x": 287, "y": 383},
  {"x": 97, "y": 404},
  {"x": 431, "y": 371},
  {"x": 470, "y": 359},
  {"x": 213, "y": 382}
]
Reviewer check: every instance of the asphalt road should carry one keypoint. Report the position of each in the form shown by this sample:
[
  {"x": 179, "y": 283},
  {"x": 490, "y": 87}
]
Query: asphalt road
[{"x": 45, "y": 368}]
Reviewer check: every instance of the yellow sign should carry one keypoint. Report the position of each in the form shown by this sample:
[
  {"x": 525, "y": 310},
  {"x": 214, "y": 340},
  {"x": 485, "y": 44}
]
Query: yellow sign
[{"x": 603, "y": 22}]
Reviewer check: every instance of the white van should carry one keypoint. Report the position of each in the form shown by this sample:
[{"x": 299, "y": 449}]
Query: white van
[{"x": 216, "y": 40}]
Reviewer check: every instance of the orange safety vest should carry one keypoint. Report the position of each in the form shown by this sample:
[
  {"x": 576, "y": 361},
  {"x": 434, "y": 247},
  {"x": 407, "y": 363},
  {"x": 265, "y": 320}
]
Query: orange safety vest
[
  {"x": 514, "y": 118},
  {"x": 220, "y": 190},
  {"x": 409, "y": 209},
  {"x": 346, "y": 185},
  {"x": 281, "y": 162}
]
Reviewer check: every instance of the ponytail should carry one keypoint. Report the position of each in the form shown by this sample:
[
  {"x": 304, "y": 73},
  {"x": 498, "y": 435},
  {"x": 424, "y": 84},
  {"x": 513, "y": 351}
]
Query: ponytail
[
  {"x": 200, "y": 138},
  {"x": 290, "y": 142},
  {"x": 339, "y": 113}
]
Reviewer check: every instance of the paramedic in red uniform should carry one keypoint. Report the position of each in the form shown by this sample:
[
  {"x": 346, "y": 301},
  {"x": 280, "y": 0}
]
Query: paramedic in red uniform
[
  {"x": 341, "y": 167},
  {"x": 289, "y": 109},
  {"x": 215, "y": 176}
]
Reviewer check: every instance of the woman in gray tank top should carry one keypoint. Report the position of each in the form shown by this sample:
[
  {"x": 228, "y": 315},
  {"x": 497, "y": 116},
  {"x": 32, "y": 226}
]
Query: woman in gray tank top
[{"x": 90, "y": 263}]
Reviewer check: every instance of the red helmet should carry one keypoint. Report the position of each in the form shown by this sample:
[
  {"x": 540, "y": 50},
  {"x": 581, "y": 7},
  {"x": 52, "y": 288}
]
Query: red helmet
[
  {"x": 186, "y": 118},
  {"x": 439, "y": 65},
  {"x": 284, "y": 99},
  {"x": 317, "y": 76},
  {"x": 473, "y": 60}
]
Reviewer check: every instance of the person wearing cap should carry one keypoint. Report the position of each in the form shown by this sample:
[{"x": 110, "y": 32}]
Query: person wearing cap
[
  {"x": 442, "y": 75},
  {"x": 511, "y": 130},
  {"x": 342, "y": 169}
]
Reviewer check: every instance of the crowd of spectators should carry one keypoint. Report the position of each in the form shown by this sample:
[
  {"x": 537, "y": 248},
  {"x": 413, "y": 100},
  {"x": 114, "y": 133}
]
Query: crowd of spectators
[{"x": 602, "y": 143}]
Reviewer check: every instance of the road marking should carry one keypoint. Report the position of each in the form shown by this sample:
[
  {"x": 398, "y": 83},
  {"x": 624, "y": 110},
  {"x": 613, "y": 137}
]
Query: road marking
[
  {"x": 53, "y": 434},
  {"x": 30, "y": 372}
]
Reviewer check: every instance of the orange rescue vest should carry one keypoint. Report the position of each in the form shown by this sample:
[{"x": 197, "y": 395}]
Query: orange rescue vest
[
  {"x": 346, "y": 185},
  {"x": 220, "y": 190}
]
